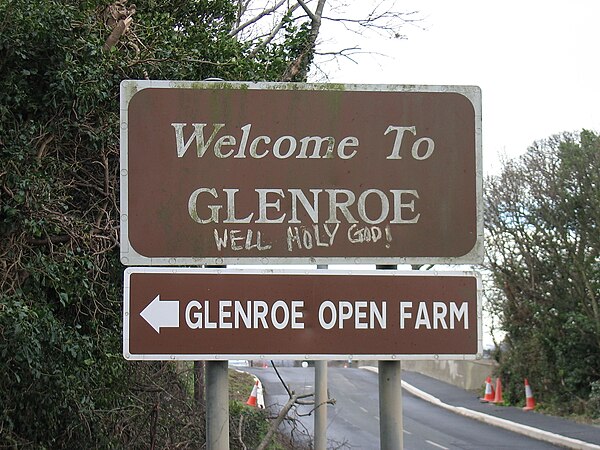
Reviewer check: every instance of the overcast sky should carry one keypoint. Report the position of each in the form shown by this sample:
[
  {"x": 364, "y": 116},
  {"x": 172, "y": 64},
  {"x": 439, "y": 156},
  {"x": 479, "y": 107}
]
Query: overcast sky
[{"x": 535, "y": 61}]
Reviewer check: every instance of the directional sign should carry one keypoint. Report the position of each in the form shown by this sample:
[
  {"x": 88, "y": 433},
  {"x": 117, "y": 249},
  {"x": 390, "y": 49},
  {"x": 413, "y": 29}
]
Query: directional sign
[
  {"x": 176, "y": 313},
  {"x": 228, "y": 173}
]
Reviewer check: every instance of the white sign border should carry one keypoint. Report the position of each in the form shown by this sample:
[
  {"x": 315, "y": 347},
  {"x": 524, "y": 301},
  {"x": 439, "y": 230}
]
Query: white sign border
[
  {"x": 318, "y": 272},
  {"x": 130, "y": 257}
]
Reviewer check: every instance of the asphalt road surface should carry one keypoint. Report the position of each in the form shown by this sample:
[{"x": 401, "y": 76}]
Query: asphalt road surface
[{"x": 353, "y": 422}]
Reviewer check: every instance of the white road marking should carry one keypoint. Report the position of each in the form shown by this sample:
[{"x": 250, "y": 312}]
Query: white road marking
[
  {"x": 407, "y": 432},
  {"x": 437, "y": 445},
  {"x": 363, "y": 409}
]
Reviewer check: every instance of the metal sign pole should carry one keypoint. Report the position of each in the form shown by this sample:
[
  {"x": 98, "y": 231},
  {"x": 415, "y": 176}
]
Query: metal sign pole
[
  {"x": 390, "y": 405},
  {"x": 320, "y": 420},
  {"x": 217, "y": 400},
  {"x": 390, "y": 399},
  {"x": 217, "y": 405},
  {"x": 321, "y": 405}
]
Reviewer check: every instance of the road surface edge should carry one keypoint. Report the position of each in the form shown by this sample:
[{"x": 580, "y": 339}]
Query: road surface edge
[{"x": 526, "y": 430}]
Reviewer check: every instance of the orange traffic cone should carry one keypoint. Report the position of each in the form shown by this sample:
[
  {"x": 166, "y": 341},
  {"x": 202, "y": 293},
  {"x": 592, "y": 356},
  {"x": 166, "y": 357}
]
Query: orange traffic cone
[
  {"x": 529, "y": 400},
  {"x": 252, "y": 399},
  {"x": 489, "y": 391},
  {"x": 498, "y": 398}
]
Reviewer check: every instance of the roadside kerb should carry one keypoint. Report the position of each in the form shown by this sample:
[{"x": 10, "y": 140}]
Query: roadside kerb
[{"x": 526, "y": 430}]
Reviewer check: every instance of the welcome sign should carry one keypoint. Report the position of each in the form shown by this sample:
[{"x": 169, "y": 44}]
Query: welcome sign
[{"x": 229, "y": 173}]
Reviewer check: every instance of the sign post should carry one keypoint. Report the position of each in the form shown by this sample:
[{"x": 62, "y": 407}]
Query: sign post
[
  {"x": 321, "y": 398},
  {"x": 217, "y": 405},
  {"x": 391, "y": 432},
  {"x": 217, "y": 173}
]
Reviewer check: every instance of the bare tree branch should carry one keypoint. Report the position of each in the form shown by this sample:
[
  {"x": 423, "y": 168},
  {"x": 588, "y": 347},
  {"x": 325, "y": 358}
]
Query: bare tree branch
[
  {"x": 273, "y": 427},
  {"x": 239, "y": 432},
  {"x": 262, "y": 27},
  {"x": 329, "y": 401},
  {"x": 267, "y": 40},
  {"x": 256, "y": 18},
  {"x": 242, "y": 8},
  {"x": 388, "y": 21},
  {"x": 313, "y": 16},
  {"x": 287, "y": 389},
  {"x": 299, "y": 68}
]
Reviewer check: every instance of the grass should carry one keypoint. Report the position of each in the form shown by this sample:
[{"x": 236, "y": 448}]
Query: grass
[{"x": 240, "y": 385}]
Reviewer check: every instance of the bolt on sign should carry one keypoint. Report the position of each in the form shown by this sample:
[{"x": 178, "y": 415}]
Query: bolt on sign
[
  {"x": 229, "y": 173},
  {"x": 208, "y": 314}
]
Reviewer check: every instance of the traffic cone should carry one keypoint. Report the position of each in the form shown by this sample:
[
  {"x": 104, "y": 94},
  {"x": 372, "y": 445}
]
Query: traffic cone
[
  {"x": 498, "y": 398},
  {"x": 252, "y": 399},
  {"x": 489, "y": 391},
  {"x": 529, "y": 400}
]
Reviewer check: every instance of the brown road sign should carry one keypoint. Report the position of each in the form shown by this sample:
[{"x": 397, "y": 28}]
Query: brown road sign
[
  {"x": 229, "y": 173},
  {"x": 195, "y": 314}
]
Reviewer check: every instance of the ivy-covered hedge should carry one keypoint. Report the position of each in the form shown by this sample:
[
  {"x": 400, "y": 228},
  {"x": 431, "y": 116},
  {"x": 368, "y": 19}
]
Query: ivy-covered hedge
[
  {"x": 63, "y": 381},
  {"x": 543, "y": 252}
]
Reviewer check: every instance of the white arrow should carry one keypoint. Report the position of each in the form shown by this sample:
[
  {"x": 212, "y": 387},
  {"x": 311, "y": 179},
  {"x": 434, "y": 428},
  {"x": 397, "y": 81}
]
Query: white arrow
[{"x": 163, "y": 313}]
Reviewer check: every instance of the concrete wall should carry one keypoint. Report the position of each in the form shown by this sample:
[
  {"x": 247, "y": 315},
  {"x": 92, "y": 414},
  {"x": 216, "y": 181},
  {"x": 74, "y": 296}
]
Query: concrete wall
[{"x": 469, "y": 375}]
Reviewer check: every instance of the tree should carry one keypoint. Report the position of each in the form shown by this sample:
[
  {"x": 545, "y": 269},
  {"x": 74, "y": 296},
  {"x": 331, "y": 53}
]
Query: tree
[
  {"x": 542, "y": 215},
  {"x": 63, "y": 381},
  {"x": 259, "y": 22}
]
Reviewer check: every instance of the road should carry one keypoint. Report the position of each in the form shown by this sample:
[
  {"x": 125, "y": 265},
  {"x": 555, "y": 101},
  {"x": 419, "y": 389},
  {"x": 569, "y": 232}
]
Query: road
[{"x": 353, "y": 422}]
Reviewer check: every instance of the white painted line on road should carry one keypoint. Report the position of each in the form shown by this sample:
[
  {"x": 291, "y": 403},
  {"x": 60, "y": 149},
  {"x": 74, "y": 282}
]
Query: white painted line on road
[
  {"x": 535, "y": 433},
  {"x": 363, "y": 410},
  {"x": 377, "y": 418},
  {"x": 407, "y": 432},
  {"x": 437, "y": 445}
]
